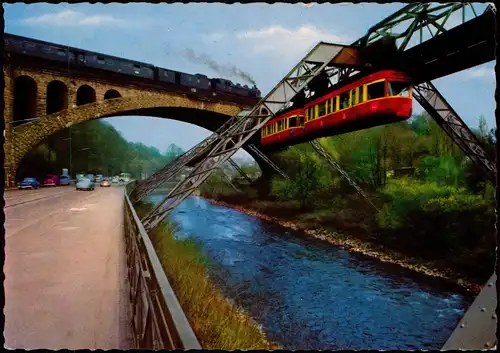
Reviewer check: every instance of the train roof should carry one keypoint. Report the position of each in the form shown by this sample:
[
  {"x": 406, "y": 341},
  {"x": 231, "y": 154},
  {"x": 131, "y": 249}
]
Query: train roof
[
  {"x": 353, "y": 81},
  {"x": 7, "y": 35}
]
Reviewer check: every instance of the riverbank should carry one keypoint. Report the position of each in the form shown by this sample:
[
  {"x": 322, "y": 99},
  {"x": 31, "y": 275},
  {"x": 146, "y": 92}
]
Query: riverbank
[
  {"x": 353, "y": 244},
  {"x": 216, "y": 321}
]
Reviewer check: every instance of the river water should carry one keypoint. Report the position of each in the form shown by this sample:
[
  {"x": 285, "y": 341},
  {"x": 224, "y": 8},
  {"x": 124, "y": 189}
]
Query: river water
[{"x": 310, "y": 295}]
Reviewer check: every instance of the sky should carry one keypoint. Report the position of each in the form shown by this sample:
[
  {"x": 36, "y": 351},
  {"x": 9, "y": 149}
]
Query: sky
[{"x": 265, "y": 41}]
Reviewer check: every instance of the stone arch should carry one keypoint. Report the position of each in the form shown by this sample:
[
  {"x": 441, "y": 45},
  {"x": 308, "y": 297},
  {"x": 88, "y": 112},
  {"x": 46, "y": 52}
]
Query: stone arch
[
  {"x": 85, "y": 95},
  {"x": 171, "y": 106},
  {"x": 25, "y": 98},
  {"x": 112, "y": 93},
  {"x": 57, "y": 97}
]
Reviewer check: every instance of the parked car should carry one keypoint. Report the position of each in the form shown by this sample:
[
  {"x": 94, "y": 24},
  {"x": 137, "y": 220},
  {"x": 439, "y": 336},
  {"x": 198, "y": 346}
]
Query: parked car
[
  {"x": 28, "y": 183},
  {"x": 99, "y": 178},
  {"x": 85, "y": 184},
  {"x": 105, "y": 183},
  {"x": 80, "y": 176},
  {"x": 115, "y": 180},
  {"x": 91, "y": 177},
  {"x": 51, "y": 180},
  {"x": 64, "y": 180}
]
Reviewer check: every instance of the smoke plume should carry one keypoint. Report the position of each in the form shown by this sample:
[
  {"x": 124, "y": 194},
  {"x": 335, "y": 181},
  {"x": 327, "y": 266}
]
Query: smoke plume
[{"x": 224, "y": 70}]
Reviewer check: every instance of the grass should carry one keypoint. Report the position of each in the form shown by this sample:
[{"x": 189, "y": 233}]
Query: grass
[{"x": 217, "y": 323}]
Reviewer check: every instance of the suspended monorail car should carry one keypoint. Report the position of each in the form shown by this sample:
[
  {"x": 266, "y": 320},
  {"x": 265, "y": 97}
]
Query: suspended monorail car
[{"x": 379, "y": 98}]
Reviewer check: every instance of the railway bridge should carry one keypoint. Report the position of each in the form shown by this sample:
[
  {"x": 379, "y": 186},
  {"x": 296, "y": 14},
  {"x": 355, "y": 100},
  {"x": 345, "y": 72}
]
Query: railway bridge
[
  {"x": 157, "y": 319},
  {"x": 43, "y": 96}
]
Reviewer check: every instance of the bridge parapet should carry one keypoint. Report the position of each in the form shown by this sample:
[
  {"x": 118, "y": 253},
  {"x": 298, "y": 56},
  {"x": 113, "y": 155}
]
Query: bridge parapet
[{"x": 158, "y": 321}]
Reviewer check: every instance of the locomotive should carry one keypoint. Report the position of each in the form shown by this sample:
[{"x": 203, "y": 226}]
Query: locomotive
[
  {"x": 85, "y": 58},
  {"x": 365, "y": 101}
]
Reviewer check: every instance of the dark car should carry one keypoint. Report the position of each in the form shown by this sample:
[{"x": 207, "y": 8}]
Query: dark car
[
  {"x": 28, "y": 183},
  {"x": 51, "y": 180}
]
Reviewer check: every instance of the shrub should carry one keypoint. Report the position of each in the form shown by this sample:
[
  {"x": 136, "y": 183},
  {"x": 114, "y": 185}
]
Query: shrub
[{"x": 434, "y": 220}]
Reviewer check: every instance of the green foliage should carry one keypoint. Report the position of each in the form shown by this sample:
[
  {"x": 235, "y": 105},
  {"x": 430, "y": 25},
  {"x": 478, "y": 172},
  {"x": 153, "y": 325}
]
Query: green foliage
[
  {"x": 309, "y": 176},
  {"x": 96, "y": 147},
  {"x": 443, "y": 170}
]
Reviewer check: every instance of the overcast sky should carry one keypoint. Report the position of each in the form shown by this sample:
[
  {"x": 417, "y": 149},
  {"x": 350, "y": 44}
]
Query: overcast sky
[{"x": 262, "y": 40}]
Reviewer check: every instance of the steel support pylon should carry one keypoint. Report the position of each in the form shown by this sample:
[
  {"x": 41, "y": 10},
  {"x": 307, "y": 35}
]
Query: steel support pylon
[
  {"x": 170, "y": 170},
  {"x": 324, "y": 153},
  {"x": 239, "y": 170},
  {"x": 233, "y": 138},
  {"x": 268, "y": 161},
  {"x": 438, "y": 108}
]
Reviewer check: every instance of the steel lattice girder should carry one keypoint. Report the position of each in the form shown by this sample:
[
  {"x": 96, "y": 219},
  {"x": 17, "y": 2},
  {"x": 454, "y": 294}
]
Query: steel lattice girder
[
  {"x": 232, "y": 139},
  {"x": 239, "y": 170},
  {"x": 171, "y": 169},
  {"x": 421, "y": 16},
  {"x": 268, "y": 160},
  {"x": 324, "y": 153},
  {"x": 439, "y": 109}
]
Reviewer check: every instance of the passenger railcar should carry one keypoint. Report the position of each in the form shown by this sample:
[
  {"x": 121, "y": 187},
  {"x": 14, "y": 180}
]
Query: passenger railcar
[
  {"x": 379, "y": 98},
  {"x": 288, "y": 125},
  {"x": 195, "y": 81},
  {"x": 170, "y": 76}
]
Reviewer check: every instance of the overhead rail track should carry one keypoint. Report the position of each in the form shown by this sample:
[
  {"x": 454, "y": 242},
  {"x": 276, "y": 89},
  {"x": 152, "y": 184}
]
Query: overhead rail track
[{"x": 230, "y": 141}]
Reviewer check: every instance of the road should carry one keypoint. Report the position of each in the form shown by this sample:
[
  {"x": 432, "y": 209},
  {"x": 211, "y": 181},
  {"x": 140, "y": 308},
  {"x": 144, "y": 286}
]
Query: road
[{"x": 66, "y": 284}]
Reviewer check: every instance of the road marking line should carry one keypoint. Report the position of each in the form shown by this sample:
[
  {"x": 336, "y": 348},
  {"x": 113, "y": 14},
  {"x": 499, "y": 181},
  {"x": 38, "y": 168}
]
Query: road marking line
[
  {"x": 78, "y": 209},
  {"x": 39, "y": 219},
  {"x": 34, "y": 200},
  {"x": 69, "y": 228}
]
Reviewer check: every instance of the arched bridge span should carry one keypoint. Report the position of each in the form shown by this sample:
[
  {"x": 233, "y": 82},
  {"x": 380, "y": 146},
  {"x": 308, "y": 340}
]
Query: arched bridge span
[{"x": 207, "y": 115}]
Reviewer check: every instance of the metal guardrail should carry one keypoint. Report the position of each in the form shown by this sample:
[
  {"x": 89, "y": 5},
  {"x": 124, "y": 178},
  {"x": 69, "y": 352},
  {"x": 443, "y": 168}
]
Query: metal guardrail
[{"x": 158, "y": 321}]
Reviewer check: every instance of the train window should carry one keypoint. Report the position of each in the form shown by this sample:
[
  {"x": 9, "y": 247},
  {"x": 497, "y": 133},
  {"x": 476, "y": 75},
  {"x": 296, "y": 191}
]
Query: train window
[
  {"x": 292, "y": 122},
  {"x": 46, "y": 49},
  {"x": 301, "y": 121},
  {"x": 321, "y": 108},
  {"x": 344, "y": 100},
  {"x": 268, "y": 130},
  {"x": 354, "y": 97},
  {"x": 328, "y": 106},
  {"x": 100, "y": 60},
  {"x": 137, "y": 66},
  {"x": 29, "y": 45},
  {"x": 375, "y": 90},
  {"x": 280, "y": 125},
  {"x": 401, "y": 89},
  {"x": 61, "y": 53}
]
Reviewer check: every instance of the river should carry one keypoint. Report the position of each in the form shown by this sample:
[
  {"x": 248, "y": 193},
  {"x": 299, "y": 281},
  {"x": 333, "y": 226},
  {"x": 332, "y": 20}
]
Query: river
[{"x": 310, "y": 295}]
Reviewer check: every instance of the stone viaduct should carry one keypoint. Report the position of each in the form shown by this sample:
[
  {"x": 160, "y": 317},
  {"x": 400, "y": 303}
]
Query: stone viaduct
[{"x": 58, "y": 96}]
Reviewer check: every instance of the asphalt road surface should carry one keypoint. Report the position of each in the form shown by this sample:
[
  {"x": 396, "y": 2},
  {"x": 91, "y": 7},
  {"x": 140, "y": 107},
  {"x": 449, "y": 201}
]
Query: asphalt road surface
[{"x": 66, "y": 284}]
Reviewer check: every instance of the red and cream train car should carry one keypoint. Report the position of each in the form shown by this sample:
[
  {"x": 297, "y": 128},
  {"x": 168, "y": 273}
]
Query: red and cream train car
[{"x": 379, "y": 98}]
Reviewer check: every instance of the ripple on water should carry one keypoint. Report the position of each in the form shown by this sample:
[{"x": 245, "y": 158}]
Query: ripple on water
[{"x": 310, "y": 296}]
